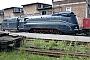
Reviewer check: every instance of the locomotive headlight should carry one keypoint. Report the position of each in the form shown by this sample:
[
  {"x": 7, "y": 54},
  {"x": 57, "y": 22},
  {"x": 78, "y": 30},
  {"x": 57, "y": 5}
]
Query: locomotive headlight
[{"x": 76, "y": 27}]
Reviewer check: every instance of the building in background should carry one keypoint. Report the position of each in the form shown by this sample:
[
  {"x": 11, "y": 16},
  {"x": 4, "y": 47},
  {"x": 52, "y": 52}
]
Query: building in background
[
  {"x": 35, "y": 9},
  {"x": 1, "y": 17},
  {"x": 80, "y": 7},
  {"x": 13, "y": 12}
]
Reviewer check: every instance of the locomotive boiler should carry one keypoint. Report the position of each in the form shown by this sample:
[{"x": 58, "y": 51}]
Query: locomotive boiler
[{"x": 61, "y": 23}]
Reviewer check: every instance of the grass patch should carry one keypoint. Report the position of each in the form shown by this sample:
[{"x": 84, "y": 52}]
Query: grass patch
[
  {"x": 22, "y": 56},
  {"x": 14, "y": 55},
  {"x": 62, "y": 45}
]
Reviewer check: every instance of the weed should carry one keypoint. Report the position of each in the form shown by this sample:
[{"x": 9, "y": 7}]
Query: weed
[{"x": 52, "y": 43}]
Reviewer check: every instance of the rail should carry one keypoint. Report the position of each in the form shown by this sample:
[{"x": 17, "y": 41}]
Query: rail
[{"x": 54, "y": 53}]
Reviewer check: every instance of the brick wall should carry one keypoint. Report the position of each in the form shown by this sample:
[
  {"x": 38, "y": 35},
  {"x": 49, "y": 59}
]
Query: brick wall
[
  {"x": 1, "y": 18},
  {"x": 8, "y": 13},
  {"x": 31, "y": 9},
  {"x": 68, "y": 1},
  {"x": 57, "y": 9},
  {"x": 50, "y": 11},
  {"x": 89, "y": 1},
  {"x": 78, "y": 8}
]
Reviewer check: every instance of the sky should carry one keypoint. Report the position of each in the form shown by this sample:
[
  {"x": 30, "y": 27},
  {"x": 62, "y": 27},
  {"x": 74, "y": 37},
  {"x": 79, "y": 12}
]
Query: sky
[{"x": 17, "y": 3}]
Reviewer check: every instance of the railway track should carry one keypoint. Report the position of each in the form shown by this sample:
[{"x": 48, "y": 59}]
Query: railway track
[{"x": 54, "y": 53}]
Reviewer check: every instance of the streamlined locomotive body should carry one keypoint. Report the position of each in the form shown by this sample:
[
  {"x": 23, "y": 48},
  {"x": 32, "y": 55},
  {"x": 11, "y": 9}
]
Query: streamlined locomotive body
[{"x": 62, "y": 22}]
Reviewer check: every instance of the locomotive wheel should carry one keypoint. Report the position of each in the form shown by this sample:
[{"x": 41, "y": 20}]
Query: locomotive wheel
[{"x": 50, "y": 31}]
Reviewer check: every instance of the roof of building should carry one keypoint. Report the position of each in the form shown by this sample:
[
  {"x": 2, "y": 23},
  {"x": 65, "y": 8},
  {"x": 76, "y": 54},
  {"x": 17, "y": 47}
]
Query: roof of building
[
  {"x": 11, "y": 8},
  {"x": 36, "y": 3},
  {"x": 69, "y": 1}
]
